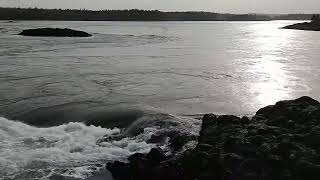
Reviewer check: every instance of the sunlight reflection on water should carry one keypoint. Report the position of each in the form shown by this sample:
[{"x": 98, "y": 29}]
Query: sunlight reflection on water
[
  {"x": 273, "y": 83},
  {"x": 178, "y": 67}
]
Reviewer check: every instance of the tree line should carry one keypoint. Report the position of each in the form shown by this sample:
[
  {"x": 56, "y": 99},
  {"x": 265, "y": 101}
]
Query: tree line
[
  {"x": 293, "y": 17},
  {"x": 121, "y": 15},
  {"x": 315, "y": 17}
]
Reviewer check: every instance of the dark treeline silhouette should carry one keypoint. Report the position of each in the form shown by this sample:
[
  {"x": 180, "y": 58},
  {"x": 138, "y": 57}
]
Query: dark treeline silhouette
[
  {"x": 293, "y": 17},
  {"x": 121, "y": 15},
  {"x": 315, "y": 17}
]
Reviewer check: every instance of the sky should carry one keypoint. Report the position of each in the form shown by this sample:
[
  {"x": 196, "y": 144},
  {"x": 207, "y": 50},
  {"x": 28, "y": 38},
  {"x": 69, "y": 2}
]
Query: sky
[{"x": 222, "y": 6}]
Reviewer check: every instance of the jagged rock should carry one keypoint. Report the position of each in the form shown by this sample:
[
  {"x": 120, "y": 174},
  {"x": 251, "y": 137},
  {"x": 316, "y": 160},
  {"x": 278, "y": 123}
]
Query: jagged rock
[
  {"x": 54, "y": 32},
  {"x": 178, "y": 140},
  {"x": 281, "y": 142}
]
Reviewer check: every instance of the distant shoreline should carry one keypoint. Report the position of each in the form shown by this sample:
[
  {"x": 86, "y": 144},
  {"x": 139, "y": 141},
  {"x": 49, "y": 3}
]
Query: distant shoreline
[{"x": 134, "y": 15}]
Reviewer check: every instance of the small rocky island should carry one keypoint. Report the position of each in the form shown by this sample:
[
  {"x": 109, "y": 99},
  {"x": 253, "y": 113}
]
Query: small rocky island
[
  {"x": 54, "y": 32},
  {"x": 314, "y": 25},
  {"x": 280, "y": 142}
]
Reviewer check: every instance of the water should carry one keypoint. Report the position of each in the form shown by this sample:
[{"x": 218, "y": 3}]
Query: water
[{"x": 130, "y": 74}]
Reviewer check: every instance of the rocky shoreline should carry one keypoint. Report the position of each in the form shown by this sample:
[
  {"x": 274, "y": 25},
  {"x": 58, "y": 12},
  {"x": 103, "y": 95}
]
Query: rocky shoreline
[
  {"x": 280, "y": 142},
  {"x": 307, "y": 26}
]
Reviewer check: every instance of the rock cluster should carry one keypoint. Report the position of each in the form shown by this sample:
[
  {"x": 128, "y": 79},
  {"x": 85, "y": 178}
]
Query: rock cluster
[
  {"x": 54, "y": 32},
  {"x": 281, "y": 142}
]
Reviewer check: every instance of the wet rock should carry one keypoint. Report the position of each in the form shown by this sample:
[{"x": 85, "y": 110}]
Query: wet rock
[
  {"x": 136, "y": 157},
  {"x": 298, "y": 111},
  {"x": 281, "y": 142},
  {"x": 178, "y": 140},
  {"x": 155, "y": 156},
  {"x": 228, "y": 119},
  {"x": 208, "y": 119},
  {"x": 157, "y": 138},
  {"x": 204, "y": 147},
  {"x": 307, "y": 170},
  {"x": 60, "y": 177},
  {"x": 54, "y": 32},
  {"x": 245, "y": 120},
  {"x": 120, "y": 170}
]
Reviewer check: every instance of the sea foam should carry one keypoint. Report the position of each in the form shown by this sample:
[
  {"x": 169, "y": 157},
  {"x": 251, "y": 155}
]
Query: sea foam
[{"x": 70, "y": 149}]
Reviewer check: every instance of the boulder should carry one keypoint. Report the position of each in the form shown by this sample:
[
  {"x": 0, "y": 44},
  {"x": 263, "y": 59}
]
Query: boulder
[{"x": 54, "y": 32}]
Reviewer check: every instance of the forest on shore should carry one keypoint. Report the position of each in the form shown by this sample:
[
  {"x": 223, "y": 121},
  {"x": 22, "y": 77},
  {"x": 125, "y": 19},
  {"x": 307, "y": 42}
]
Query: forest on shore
[{"x": 134, "y": 15}]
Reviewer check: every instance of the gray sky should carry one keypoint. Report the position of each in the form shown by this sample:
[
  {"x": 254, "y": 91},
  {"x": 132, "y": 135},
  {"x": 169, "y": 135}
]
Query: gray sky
[{"x": 230, "y": 6}]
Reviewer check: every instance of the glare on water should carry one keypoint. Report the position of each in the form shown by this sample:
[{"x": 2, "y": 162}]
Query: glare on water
[
  {"x": 273, "y": 82},
  {"x": 178, "y": 67}
]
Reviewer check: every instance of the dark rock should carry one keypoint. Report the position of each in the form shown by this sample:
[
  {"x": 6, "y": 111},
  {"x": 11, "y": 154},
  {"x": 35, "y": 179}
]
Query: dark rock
[
  {"x": 208, "y": 120},
  {"x": 228, "y": 119},
  {"x": 178, "y": 140},
  {"x": 204, "y": 147},
  {"x": 245, "y": 120},
  {"x": 155, "y": 156},
  {"x": 60, "y": 177},
  {"x": 281, "y": 142},
  {"x": 232, "y": 161},
  {"x": 157, "y": 138},
  {"x": 258, "y": 139},
  {"x": 136, "y": 157},
  {"x": 295, "y": 111},
  {"x": 54, "y": 32},
  {"x": 307, "y": 170},
  {"x": 119, "y": 170},
  {"x": 308, "y": 26}
]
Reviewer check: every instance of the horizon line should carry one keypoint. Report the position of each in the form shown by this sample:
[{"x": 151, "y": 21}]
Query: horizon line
[{"x": 95, "y": 10}]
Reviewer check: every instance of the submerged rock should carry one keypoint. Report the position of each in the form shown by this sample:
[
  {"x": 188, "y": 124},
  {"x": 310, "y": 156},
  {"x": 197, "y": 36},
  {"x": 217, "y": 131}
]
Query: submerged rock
[
  {"x": 54, "y": 32},
  {"x": 281, "y": 142}
]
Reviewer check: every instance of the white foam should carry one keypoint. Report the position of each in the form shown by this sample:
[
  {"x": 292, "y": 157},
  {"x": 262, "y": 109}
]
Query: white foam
[{"x": 26, "y": 149}]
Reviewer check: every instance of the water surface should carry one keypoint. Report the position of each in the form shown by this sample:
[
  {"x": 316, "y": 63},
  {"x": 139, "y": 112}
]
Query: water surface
[{"x": 131, "y": 75}]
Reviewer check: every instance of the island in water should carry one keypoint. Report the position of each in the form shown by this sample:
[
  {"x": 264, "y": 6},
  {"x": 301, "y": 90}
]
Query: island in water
[
  {"x": 54, "y": 32},
  {"x": 314, "y": 25},
  {"x": 281, "y": 142}
]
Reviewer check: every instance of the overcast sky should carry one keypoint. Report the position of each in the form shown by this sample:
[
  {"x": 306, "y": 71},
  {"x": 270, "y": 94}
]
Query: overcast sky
[{"x": 231, "y": 6}]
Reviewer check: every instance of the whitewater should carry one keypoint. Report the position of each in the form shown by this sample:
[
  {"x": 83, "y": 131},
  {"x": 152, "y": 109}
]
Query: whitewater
[
  {"x": 75, "y": 150},
  {"x": 69, "y": 149}
]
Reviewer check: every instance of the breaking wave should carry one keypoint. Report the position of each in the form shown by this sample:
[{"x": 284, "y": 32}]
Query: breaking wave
[
  {"x": 76, "y": 150},
  {"x": 70, "y": 149}
]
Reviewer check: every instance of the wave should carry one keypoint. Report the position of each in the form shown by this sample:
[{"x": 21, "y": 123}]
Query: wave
[
  {"x": 77, "y": 150},
  {"x": 69, "y": 149}
]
